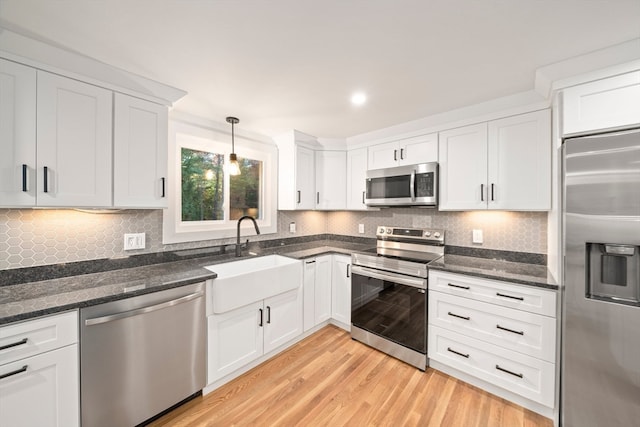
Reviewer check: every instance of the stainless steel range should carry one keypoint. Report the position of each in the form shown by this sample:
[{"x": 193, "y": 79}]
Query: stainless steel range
[{"x": 389, "y": 292}]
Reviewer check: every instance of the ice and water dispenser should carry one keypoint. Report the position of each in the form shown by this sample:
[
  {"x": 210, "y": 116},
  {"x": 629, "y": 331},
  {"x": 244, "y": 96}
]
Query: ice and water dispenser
[{"x": 613, "y": 272}]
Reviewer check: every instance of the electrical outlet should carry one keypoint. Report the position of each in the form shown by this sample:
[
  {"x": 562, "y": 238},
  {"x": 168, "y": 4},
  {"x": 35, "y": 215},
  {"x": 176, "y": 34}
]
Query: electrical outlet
[
  {"x": 361, "y": 228},
  {"x": 477, "y": 236},
  {"x": 292, "y": 227},
  {"x": 134, "y": 241}
]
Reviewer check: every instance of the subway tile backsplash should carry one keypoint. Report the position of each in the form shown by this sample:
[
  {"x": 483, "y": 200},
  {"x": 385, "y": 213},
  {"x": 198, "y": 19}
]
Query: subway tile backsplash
[{"x": 33, "y": 237}]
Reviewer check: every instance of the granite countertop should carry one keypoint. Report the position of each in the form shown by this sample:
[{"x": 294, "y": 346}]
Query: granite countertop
[
  {"x": 37, "y": 298},
  {"x": 514, "y": 272}
]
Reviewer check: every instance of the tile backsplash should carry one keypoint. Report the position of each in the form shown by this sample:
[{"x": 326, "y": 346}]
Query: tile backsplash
[{"x": 32, "y": 237}]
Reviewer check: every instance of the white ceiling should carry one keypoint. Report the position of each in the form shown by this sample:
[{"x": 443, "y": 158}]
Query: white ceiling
[{"x": 283, "y": 64}]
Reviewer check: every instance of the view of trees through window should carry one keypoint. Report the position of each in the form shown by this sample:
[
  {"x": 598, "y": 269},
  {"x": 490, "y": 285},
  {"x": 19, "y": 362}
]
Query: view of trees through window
[{"x": 203, "y": 178}]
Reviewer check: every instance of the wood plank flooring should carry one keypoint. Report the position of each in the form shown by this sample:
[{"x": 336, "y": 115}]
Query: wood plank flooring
[{"x": 330, "y": 380}]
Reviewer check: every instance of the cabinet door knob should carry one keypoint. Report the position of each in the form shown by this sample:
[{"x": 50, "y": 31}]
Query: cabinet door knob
[
  {"x": 163, "y": 190},
  {"x": 482, "y": 192},
  {"x": 492, "y": 199},
  {"x": 260, "y": 310},
  {"x": 46, "y": 179},
  {"x": 402, "y": 154},
  {"x": 395, "y": 155},
  {"x": 298, "y": 196}
]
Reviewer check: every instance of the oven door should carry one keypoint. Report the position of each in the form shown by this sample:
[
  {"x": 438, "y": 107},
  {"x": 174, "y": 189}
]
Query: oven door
[{"x": 390, "y": 305}]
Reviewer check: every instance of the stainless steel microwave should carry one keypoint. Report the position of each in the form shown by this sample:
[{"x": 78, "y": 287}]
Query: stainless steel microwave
[{"x": 414, "y": 185}]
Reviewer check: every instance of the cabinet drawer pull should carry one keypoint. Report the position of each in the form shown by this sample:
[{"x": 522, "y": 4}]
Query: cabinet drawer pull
[
  {"x": 458, "y": 353},
  {"x": 260, "y": 310},
  {"x": 46, "y": 179},
  {"x": 510, "y": 330},
  {"x": 509, "y": 372},
  {"x": 310, "y": 262},
  {"x": 458, "y": 316},
  {"x": 163, "y": 190},
  {"x": 268, "y": 314},
  {"x": 24, "y": 178},
  {"x": 14, "y": 344},
  {"x": 16, "y": 372},
  {"x": 458, "y": 286},
  {"x": 298, "y": 196},
  {"x": 509, "y": 296}
]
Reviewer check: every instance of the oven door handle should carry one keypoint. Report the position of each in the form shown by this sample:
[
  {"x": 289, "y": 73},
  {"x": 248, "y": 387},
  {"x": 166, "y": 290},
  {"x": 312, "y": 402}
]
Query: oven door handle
[{"x": 400, "y": 279}]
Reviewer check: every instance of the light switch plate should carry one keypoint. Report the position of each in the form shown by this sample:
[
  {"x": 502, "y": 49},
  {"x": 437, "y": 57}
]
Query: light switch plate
[
  {"x": 134, "y": 241},
  {"x": 292, "y": 227},
  {"x": 477, "y": 236},
  {"x": 361, "y": 228}
]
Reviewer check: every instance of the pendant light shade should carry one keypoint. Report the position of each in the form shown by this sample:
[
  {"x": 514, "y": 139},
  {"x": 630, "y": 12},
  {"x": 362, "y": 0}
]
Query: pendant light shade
[{"x": 234, "y": 167}]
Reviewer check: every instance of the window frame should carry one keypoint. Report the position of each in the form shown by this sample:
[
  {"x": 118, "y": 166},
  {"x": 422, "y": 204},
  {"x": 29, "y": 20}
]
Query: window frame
[{"x": 209, "y": 137}]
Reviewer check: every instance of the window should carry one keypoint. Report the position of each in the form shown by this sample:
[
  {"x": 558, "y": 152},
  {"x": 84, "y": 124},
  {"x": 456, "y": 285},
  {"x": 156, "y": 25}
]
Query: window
[{"x": 204, "y": 200}]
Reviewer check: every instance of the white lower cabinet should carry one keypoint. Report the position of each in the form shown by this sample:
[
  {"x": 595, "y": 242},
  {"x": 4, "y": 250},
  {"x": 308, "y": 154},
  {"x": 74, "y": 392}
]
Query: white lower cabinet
[
  {"x": 317, "y": 290},
  {"x": 31, "y": 377},
  {"x": 241, "y": 336},
  {"x": 499, "y": 332},
  {"x": 341, "y": 290}
]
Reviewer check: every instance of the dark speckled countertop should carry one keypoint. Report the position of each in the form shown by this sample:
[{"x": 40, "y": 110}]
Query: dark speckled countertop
[
  {"x": 27, "y": 300},
  {"x": 514, "y": 272}
]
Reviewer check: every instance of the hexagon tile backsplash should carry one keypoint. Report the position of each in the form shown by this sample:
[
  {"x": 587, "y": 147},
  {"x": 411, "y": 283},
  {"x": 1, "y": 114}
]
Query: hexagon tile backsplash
[{"x": 31, "y": 237}]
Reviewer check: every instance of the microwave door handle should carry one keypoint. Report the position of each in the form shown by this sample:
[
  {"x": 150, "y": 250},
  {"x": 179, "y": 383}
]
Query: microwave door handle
[{"x": 412, "y": 185}]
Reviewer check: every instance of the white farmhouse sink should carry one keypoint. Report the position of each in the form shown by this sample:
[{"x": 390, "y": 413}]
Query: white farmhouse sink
[{"x": 250, "y": 280}]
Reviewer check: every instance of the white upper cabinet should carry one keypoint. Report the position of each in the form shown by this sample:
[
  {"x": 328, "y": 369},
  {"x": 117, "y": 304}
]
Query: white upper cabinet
[
  {"x": 140, "y": 153},
  {"x": 296, "y": 172},
  {"x": 609, "y": 103},
  {"x": 74, "y": 143},
  {"x": 17, "y": 134},
  {"x": 331, "y": 176},
  {"x": 519, "y": 168},
  {"x": 419, "y": 149},
  {"x": 503, "y": 164},
  {"x": 356, "y": 178},
  {"x": 463, "y": 168}
]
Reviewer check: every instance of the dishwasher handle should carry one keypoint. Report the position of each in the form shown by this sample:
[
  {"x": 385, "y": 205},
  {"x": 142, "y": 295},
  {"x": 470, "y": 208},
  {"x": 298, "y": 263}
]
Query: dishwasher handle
[{"x": 142, "y": 310}]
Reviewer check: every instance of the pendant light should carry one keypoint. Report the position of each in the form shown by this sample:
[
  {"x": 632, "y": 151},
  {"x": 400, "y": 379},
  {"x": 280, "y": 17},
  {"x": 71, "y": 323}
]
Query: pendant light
[{"x": 234, "y": 167}]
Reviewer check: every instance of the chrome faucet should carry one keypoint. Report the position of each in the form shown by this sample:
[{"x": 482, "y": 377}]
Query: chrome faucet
[{"x": 255, "y": 224}]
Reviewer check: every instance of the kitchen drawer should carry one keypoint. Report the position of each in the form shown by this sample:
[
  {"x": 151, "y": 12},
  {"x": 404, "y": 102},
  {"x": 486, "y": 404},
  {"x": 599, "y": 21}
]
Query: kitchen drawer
[
  {"x": 32, "y": 337},
  {"x": 524, "y": 375},
  {"x": 527, "y": 333},
  {"x": 521, "y": 297}
]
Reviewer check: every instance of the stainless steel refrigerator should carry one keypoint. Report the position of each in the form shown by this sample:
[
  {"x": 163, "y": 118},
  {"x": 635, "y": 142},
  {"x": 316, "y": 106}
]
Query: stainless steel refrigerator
[{"x": 600, "y": 376}]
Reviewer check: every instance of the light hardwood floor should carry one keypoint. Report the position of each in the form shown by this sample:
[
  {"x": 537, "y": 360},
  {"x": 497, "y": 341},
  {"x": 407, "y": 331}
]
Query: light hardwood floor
[{"x": 330, "y": 380}]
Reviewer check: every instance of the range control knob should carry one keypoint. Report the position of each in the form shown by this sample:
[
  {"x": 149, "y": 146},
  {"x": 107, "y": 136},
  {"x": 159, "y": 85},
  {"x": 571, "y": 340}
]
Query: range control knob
[
  {"x": 436, "y": 234},
  {"x": 388, "y": 231},
  {"x": 381, "y": 231},
  {"x": 427, "y": 234}
]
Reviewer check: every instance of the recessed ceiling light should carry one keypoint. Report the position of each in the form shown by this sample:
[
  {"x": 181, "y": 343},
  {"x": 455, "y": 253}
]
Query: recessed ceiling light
[{"x": 358, "y": 98}]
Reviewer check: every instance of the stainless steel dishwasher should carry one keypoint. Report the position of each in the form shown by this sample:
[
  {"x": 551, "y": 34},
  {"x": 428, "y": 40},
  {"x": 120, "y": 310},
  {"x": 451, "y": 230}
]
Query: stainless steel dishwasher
[{"x": 141, "y": 355}]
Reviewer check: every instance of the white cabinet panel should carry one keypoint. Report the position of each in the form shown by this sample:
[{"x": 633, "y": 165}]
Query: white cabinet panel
[
  {"x": 322, "y": 304},
  {"x": 305, "y": 178},
  {"x": 341, "y": 289},
  {"x": 330, "y": 180},
  {"x": 463, "y": 168},
  {"x": 524, "y": 375},
  {"x": 309, "y": 294},
  {"x": 527, "y": 333},
  {"x": 520, "y": 297},
  {"x": 503, "y": 164},
  {"x": 356, "y": 178},
  {"x": 43, "y": 390},
  {"x": 235, "y": 339},
  {"x": 283, "y": 319},
  {"x": 140, "y": 153},
  {"x": 74, "y": 143},
  {"x": 519, "y": 162},
  {"x": 17, "y": 134},
  {"x": 409, "y": 151},
  {"x": 613, "y": 102}
]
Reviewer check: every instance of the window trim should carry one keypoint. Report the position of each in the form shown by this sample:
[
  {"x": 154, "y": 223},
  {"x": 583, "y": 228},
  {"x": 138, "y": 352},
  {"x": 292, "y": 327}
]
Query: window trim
[{"x": 208, "y": 137}]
